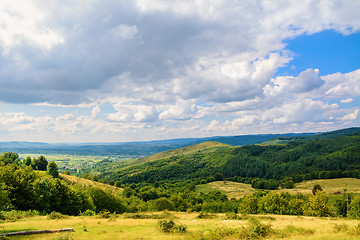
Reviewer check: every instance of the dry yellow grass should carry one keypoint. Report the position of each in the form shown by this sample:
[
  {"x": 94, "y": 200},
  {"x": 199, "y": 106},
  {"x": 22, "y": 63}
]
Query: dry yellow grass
[
  {"x": 146, "y": 229},
  {"x": 88, "y": 183},
  {"x": 239, "y": 190},
  {"x": 231, "y": 189},
  {"x": 330, "y": 186}
]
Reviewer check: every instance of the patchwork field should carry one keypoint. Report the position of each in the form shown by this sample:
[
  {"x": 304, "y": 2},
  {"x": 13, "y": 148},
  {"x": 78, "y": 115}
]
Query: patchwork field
[{"x": 284, "y": 227}]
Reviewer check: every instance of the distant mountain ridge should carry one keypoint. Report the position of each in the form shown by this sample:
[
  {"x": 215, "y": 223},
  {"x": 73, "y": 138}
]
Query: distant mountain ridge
[{"x": 147, "y": 148}]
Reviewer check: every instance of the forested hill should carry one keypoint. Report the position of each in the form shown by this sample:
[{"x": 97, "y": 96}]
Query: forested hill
[{"x": 330, "y": 157}]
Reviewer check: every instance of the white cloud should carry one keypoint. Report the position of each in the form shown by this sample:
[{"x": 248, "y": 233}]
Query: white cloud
[
  {"x": 350, "y": 116},
  {"x": 165, "y": 66},
  {"x": 307, "y": 81},
  {"x": 340, "y": 85},
  {"x": 347, "y": 100}
]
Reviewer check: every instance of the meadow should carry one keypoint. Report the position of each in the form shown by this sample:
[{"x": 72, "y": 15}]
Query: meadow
[{"x": 217, "y": 226}]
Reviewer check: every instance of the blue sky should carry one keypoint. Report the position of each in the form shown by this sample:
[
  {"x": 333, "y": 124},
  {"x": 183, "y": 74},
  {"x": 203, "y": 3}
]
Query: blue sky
[{"x": 95, "y": 71}]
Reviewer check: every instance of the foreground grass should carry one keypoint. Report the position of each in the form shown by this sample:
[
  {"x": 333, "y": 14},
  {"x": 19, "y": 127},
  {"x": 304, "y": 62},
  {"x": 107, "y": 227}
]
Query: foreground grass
[{"x": 285, "y": 227}]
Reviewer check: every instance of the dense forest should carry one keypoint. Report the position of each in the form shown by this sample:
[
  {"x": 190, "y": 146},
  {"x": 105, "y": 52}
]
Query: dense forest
[
  {"x": 266, "y": 165},
  {"x": 170, "y": 183}
]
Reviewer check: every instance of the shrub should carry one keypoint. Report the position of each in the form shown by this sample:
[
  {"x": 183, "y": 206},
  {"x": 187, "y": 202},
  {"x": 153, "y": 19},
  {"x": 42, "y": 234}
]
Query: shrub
[
  {"x": 56, "y": 215},
  {"x": 88, "y": 212},
  {"x": 169, "y": 226},
  {"x": 104, "y": 214},
  {"x": 291, "y": 230},
  {"x": 204, "y": 215},
  {"x": 257, "y": 230}
]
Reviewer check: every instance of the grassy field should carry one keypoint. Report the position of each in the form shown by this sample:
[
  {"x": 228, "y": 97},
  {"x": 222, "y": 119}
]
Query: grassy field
[
  {"x": 89, "y": 183},
  {"x": 285, "y": 227},
  {"x": 331, "y": 186},
  {"x": 231, "y": 189}
]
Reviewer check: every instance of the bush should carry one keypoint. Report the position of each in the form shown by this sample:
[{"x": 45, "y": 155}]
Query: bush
[
  {"x": 56, "y": 215},
  {"x": 169, "y": 226},
  {"x": 291, "y": 230},
  {"x": 104, "y": 214},
  {"x": 14, "y": 215},
  {"x": 88, "y": 212},
  {"x": 204, "y": 215},
  {"x": 257, "y": 230}
]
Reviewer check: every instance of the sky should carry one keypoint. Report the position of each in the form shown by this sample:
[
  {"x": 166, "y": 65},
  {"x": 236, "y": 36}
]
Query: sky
[{"x": 117, "y": 71}]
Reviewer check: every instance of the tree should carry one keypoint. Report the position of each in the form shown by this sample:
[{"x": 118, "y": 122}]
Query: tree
[
  {"x": 39, "y": 163},
  {"x": 95, "y": 178},
  {"x": 42, "y": 163},
  {"x": 354, "y": 208},
  {"x": 4, "y": 199},
  {"x": 317, "y": 205},
  {"x": 316, "y": 188},
  {"x": 52, "y": 169},
  {"x": 9, "y": 157},
  {"x": 219, "y": 177},
  {"x": 117, "y": 184},
  {"x": 27, "y": 161}
]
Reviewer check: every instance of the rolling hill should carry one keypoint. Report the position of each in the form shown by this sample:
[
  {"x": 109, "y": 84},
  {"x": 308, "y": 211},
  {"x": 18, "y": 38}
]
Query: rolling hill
[{"x": 336, "y": 155}]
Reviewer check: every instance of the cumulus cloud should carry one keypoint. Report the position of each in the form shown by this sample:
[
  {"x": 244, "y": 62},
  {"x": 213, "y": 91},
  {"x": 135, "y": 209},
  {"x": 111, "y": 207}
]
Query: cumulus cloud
[
  {"x": 286, "y": 85},
  {"x": 160, "y": 63}
]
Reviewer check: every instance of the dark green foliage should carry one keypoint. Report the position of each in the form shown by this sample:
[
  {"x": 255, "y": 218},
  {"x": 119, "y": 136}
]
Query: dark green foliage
[
  {"x": 18, "y": 185},
  {"x": 52, "y": 169},
  {"x": 39, "y": 163},
  {"x": 162, "y": 204},
  {"x": 297, "y": 160},
  {"x": 9, "y": 157},
  {"x": 219, "y": 177},
  {"x": 4, "y": 199},
  {"x": 27, "y": 161}
]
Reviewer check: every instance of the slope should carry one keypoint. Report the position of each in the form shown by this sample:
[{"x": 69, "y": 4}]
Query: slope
[
  {"x": 205, "y": 147},
  {"x": 330, "y": 157}
]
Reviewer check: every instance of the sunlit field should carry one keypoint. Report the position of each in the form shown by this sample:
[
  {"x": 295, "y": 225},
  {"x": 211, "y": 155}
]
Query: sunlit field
[{"x": 120, "y": 227}]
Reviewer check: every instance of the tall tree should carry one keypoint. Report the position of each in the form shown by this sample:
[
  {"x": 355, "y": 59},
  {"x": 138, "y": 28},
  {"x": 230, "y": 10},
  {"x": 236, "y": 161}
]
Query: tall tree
[{"x": 52, "y": 169}]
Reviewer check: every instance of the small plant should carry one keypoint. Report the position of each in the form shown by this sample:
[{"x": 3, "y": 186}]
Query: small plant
[
  {"x": 205, "y": 215},
  {"x": 3, "y": 237},
  {"x": 88, "y": 212},
  {"x": 56, "y": 215},
  {"x": 257, "y": 230},
  {"x": 169, "y": 226},
  {"x": 355, "y": 230},
  {"x": 166, "y": 225},
  {"x": 341, "y": 228},
  {"x": 84, "y": 228},
  {"x": 104, "y": 214},
  {"x": 292, "y": 230}
]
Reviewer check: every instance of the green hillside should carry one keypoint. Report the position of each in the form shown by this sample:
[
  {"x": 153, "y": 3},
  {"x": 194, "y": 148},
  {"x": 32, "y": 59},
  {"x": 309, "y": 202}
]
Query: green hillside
[
  {"x": 205, "y": 147},
  {"x": 329, "y": 157},
  {"x": 331, "y": 134}
]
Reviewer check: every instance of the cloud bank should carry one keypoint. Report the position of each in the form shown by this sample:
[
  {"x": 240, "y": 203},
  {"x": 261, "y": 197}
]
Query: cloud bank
[{"x": 169, "y": 68}]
